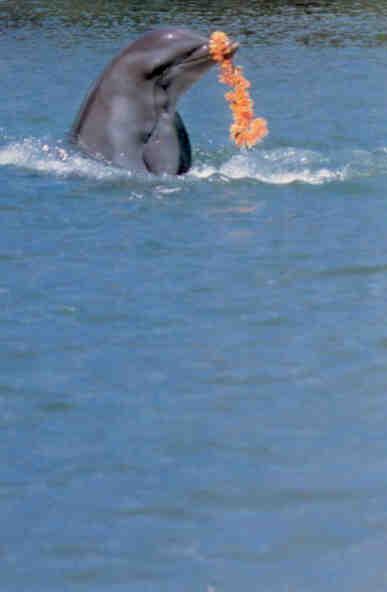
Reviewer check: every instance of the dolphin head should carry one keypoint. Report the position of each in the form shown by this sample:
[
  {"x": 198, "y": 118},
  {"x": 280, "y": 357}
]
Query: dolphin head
[
  {"x": 130, "y": 118},
  {"x": 181, "y": 58},
  {"x": 176, "y": 59}
]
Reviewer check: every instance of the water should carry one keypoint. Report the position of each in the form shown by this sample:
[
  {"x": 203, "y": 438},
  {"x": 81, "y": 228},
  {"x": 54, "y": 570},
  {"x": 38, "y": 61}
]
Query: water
[{"x": 193, "y": 370}]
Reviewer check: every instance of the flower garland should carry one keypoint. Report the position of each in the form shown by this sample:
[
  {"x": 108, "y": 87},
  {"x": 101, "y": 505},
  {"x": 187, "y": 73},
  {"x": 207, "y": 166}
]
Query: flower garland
[{"x": 245, "y": 130}]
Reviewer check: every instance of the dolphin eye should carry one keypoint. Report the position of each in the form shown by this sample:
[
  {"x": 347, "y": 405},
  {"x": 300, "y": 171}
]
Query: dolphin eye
[
  {"x": 158, "y": 70},
  {"x": 188, "y": 54}
]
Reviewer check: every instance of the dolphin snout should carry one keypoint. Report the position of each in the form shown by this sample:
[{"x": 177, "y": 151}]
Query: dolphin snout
[
  {"x": 233, "y": 49},
  {"x": 202, "y": 53}
]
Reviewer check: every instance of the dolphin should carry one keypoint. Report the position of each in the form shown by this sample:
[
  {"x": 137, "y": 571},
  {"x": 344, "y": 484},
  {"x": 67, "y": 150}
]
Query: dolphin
[{"x": 129, "y": 116}]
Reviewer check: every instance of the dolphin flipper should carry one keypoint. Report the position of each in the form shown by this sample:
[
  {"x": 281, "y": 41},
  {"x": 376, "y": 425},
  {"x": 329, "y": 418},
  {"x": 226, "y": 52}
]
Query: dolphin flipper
[
  {"x": 168, "y": 149},
  {"x": 185, "y": 146}
]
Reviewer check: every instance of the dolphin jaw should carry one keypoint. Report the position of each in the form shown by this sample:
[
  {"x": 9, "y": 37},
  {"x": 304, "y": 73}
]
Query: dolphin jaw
[{"x": 200, "y": 54}]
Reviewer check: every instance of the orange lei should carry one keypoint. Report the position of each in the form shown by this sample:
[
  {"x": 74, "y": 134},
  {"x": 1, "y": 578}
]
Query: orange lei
[{"x": 245, "y": 130}]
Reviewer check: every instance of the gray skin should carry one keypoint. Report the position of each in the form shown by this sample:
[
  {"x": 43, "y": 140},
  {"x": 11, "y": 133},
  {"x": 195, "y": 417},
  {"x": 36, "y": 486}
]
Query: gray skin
[{"x": 129, "y": 117}]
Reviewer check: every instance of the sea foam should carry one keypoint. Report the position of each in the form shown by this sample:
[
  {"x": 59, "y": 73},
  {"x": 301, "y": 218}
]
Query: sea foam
[{"x": 280, "y": 166}]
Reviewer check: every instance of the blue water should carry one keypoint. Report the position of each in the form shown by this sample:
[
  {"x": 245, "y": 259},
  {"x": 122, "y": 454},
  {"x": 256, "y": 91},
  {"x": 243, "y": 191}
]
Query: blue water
[{"x": 193, "y": 371}]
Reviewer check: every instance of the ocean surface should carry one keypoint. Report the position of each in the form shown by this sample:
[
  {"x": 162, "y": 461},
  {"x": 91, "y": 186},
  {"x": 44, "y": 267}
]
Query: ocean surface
[{"x": 193, "y": 370}]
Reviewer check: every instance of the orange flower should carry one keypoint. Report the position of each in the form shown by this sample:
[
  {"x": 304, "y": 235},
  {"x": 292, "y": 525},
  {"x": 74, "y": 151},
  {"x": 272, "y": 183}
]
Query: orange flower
[{"x": 245, "y": 130}]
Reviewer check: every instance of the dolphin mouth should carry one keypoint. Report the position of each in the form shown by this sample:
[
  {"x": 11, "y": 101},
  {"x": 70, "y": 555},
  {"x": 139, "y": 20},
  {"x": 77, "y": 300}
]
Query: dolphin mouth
[
  {"x": 198, "y": 55},
  {"x": 202, "y": 53},
  {"x": 233, "y": 48}
]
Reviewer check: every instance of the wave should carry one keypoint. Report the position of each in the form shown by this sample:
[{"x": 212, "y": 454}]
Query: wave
[
  {"x": 280, "y": 166},
  {"x": 38, "y": 156},
  {"x": 276, "y": 167}
]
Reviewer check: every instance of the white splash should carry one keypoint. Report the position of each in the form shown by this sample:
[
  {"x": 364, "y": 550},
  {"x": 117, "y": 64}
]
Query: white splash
[
  {"x": 34, "y": 155},
  {"x": 276, "y": 167},
  {"x": 281, "y": 166}
]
